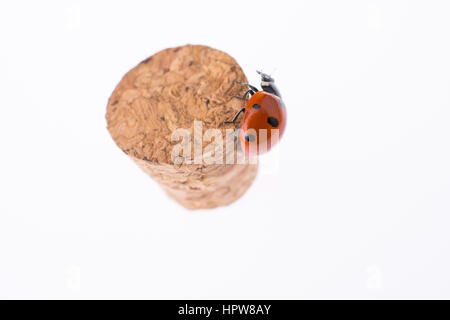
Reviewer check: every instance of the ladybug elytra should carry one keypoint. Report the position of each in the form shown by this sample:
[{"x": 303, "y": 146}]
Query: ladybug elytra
[{"x": 264, "y": 116}]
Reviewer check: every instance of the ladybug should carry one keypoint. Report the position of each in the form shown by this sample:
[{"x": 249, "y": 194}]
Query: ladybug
[{"x": 264, "y": 110}]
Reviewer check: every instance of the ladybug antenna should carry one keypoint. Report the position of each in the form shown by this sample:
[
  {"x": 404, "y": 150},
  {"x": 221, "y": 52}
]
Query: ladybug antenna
[{"x": 264, "y": 76}]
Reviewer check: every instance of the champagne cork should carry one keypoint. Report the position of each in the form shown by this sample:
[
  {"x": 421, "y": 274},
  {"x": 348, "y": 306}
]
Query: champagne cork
[{"x": 179, "y": 88}]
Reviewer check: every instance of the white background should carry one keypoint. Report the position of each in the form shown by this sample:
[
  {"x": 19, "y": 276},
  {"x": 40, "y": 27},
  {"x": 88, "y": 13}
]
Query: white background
[{"x": 357, "y": 204}]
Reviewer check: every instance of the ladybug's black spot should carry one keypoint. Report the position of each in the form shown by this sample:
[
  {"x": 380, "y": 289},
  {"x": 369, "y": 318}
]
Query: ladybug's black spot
[
  {"x": 256, "y": 106},
  {"x": 272, "y": 121},
  {"x": 250, "y": 137}
]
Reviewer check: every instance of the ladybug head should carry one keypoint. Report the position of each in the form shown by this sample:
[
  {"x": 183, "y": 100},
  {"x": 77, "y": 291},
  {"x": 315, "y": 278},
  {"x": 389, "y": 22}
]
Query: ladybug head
[
  {"x": 265, "y": 77},
  {"x": 268, "y": 84}
]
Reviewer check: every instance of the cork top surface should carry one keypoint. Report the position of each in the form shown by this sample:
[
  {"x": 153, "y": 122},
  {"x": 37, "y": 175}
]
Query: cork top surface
[{"x": 170, "y": 90}]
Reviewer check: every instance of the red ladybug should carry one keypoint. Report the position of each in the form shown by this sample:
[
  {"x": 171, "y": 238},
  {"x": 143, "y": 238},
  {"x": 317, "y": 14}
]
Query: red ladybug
[{"x": 264, "y": 110}]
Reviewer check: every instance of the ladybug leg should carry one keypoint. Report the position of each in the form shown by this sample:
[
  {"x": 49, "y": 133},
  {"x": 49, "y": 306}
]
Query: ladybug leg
[
  {"x": 235, "y": 116},
  {"x": 254, "y": 89},
  {"x": 244, "y": 97}
]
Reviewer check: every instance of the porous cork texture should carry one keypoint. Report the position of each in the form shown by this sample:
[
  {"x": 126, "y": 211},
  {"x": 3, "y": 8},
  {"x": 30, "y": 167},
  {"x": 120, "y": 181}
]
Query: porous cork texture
[{"x": 170, "y": 90}]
